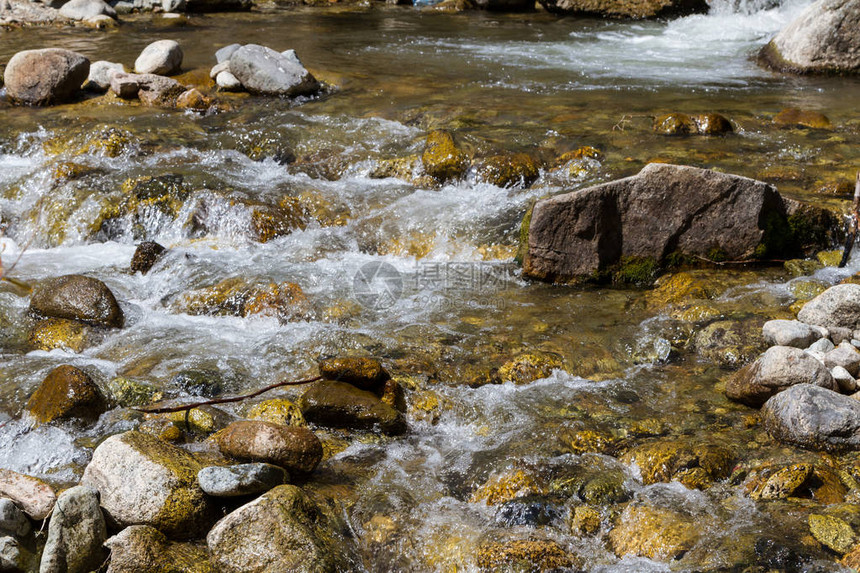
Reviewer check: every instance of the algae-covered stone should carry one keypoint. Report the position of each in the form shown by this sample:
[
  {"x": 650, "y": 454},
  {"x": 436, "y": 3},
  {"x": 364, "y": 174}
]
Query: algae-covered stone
[
  {"x": 144, "y": 549},
  {"x": 31, "y": 494},
  {"x": 523, "y": 555},
  {"x": 528, "y": 367},
  {"x": 75, "y": 534},
  {"x": 832, "y": 532},
  {"x": 674, "y": 124},
  {"x": 653, "y": 532},
  {"x": 791, "y": 117},
  {"x": 283, "y": 530},
  {"x": 130, "y": 393},
  {"x": 198, "y": 382},
  {"x": 203, "y": 420},
  {"x": 237, "y": 296},
  {"x": 145, "y": 481},
  {"x": 730, "y": 343},
  {"x": 515, "y": 170},
  {"x": 783, "y": 483},
  {"x": 161, "y": 428},
  {"x": 505, "y": 487},
  {"x": 341, "y": 405},
  {"x": 67, "y": 392},
  {"x": 441, "y": 157},
  {"x": 60, "y": 333},
  {"x": 291, "y": 447},
  {"x": 277, "y": 411},
  {"x": 77, "y": 297},
  {"x": 585, "y": 520},
  {"x": 361, "y": 372},
  {"x": 665, "y": 460}
]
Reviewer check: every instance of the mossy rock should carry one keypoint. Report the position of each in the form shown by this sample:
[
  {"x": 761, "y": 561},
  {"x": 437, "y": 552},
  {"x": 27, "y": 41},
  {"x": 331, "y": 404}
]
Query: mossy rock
[
  {"x": 69, "y": 170},
  {"x": 783, "y": 483},
  {"x": 237, "y": 296},
  {"x": 712, "y": 124},
  {"x": 656, "y": 533},
  {"x": 731, "y": 343},
  {"x": 277, "y": 411},
  {"x": 585, "y": 521},
  {"x": 110, "y": 142},
  {"x": 442, "y": 159},
  {"x": 360, "y": 371},
  {"x": 680, "y": 288},
  {"x": 131, "y": 393},
  {"x": 340, "y": 405},
  {"x": 161, "y": 428},
  {"x": 270, "y": 222},
  {"x": 514, "y": 170},
  {"x": 523, "y": 555},
  {"x": 635, "y": 271},
  {"x": 674, "y": 124},
  {"x": 63, "y": 334},
  {"x": 801, "y": 267},
  {"x": 829, "y": 258},
  {"x": 144, "y": 549},
  {"x": 586, "y": 440},
  {"x": 832, "y": 532},
  {"x": 794, "y": 117},
  {"x": 671, "y": 459},
  {"x": 67, "y": 392},
  {"x": 506, "y": 486},
  {"x": 203, "y": 420},
  {"x": 528, "y": 367}
]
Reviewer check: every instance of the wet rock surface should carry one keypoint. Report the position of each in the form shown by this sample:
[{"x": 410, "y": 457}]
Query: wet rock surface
[
  {"x": 342, "y": 405},
  {"x": 44, "y": 77},
  {"x": 283, "y": 530},
  {"x": 291, "y": 447},
  {"x": 67, "y": 392},
  {"x": 144, "y": 549},
  {"x": 77, "y": 297},
  {"x": 145, "y": 481},
  {"x": 812, "y": 417},
  {"x": 245, "y": 479},
  {"x": 76, "y": 533},
  {"x": 583, "y": 234},
  {"x": 822, "y": 39},
  {"x": 625, "y": 9}
]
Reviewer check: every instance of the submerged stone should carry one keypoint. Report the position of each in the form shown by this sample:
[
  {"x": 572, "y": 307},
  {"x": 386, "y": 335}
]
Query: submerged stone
[
  {"x": 342, "y": 405},
  {"x": 832, "y": 532},
  {"x": 441, "y": 158},
  {"x": 792, "y": 117},
  {"x": 362, "y": 372},
  {"x": 145, "y": 256},
  {"x": 653, "y": 532},
  {"x": 66, "y": 392},
  {"x": 523, "y": 554}
]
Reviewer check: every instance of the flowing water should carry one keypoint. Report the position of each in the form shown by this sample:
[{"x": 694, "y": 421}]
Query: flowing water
[{"x": 626, "y": 365}]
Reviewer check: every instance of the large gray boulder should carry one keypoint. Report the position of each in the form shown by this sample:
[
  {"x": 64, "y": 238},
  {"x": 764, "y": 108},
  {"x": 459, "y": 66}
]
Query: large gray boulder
[
  {"x": 814, "y": 418},
  {"x": 777, "y": 369},
  {"x": 791, "y": 333},
  {"x": 76, "y": 297},
  {"x": 264, "y": 71},
  {"x": 633, "y": 9},
  {"x": 838, "y": 306},
  {"x": 163, "y": 57},
  {"x": 44, "y": 77},
  {"x": 84, "y": 9},
  {"x": 664, "y": 210},
  {"x": 145, "y": 481},
  {"x": 282, "y": 530},
  {"x": 75, "y": 534},
  {"x": 822, "y": 39}
]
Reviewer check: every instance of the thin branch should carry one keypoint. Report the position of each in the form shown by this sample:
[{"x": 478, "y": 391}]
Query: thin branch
[
  {"x": 187, "y": 407},
  {"x": 742, "y": 262}
]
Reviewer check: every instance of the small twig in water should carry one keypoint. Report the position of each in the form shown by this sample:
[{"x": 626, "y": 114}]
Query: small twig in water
[
  {"x": 188, "y": 407},
  {"x": 851, "y": 235},
  {"x": 742, "y": 262}
]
